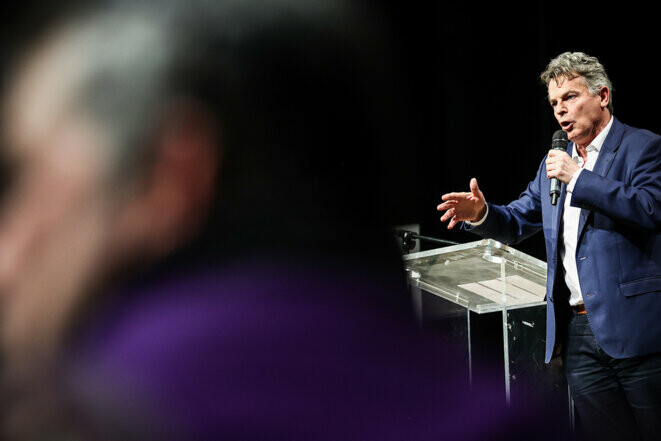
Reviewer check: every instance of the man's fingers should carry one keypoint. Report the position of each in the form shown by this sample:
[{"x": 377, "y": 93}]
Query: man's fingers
[
  {"x": 553, "y": 160},
  {"x": 460, "y": 205},
  {"x": 446, "y": 205},
  {"x": 450, "y": 196},
  {"x": 447, "y": 215}
]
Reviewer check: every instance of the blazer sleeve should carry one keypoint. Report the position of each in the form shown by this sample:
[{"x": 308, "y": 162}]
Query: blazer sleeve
[
  {"x": 516, "y": 221},
  {"x": 637, "y": 202}
]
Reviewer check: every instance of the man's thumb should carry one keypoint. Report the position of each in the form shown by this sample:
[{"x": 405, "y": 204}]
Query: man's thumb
[{"x": 474, "y": 188}]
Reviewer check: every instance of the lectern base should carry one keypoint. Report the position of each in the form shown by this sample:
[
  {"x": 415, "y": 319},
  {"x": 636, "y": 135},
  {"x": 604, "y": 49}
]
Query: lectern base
[{"x": 526, "y": 379}]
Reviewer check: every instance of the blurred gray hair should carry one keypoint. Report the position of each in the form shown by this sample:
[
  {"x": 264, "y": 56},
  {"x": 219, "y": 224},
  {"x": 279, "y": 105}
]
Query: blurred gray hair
[
  {"x": 571, "y": 65},
  {"x": 133, "y": 58},
  {"x": 121, "y": 60}
]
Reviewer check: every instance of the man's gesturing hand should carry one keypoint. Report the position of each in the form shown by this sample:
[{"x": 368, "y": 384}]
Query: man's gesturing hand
[{"x": 460, "y": 207}]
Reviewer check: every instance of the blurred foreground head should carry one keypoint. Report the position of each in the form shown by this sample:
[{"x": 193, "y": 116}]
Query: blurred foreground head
[
  {"x": 142, "y": 138},
  {"x": 190, "y": 237}
]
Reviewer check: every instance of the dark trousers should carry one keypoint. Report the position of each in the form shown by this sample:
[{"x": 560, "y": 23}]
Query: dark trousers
[{"x": 615, "y": 399}]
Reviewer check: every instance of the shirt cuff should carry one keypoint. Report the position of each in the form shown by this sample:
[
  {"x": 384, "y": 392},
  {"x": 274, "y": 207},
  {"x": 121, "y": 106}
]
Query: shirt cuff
[
  {"x": 475, "y": 224},
  {"x": 572, "y": 182}
]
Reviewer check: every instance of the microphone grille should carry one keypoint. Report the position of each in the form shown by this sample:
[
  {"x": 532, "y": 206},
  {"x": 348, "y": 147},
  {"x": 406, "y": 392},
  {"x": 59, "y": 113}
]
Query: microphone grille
[{"x": 559, "y": 140}]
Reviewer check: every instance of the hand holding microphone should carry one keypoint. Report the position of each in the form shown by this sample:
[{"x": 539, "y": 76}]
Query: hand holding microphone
[{"x": 559, "y": 166}]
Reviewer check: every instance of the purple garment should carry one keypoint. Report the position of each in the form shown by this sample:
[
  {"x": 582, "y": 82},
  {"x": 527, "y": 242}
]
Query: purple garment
[{"x": 265, "y": 351}]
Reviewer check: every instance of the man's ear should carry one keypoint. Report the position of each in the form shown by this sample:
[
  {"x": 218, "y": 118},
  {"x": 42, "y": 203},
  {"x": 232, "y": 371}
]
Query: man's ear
[
  {"x": 605, "y": 95},
  {"x": 174, "y": 196}
]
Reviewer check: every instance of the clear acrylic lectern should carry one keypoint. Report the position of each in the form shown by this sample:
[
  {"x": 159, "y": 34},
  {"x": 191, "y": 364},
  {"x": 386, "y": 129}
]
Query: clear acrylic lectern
[{"x": 487, "y": 289}]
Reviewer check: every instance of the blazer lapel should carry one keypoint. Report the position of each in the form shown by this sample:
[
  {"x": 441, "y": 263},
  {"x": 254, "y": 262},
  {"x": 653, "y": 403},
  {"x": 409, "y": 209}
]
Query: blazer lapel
[{"x": 603, "y": 164}]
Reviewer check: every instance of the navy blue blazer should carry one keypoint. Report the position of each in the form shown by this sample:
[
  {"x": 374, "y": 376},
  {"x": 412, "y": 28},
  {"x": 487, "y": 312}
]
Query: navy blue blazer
[{"x": 618, "y": 253}]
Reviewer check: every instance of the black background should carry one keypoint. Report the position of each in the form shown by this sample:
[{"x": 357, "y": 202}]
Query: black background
[{"x": 472, "y": 104}]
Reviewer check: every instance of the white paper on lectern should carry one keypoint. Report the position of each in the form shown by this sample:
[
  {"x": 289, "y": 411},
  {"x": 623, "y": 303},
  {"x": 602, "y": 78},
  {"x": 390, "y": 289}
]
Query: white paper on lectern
[{"x": 517, "y": 289}]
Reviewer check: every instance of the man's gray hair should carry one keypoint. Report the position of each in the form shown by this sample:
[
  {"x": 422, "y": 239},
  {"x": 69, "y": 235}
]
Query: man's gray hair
[{"x": 571, "y": 65}]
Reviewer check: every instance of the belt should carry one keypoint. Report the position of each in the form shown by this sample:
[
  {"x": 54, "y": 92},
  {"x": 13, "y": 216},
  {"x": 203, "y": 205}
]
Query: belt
[{"x": 579, "y": 309}]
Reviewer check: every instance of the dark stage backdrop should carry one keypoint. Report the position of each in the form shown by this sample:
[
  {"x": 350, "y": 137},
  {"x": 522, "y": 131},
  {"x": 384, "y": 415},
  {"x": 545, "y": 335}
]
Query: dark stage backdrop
[
  {"x": 470, "y": 101},
  {"x": 475, "y": 103}
]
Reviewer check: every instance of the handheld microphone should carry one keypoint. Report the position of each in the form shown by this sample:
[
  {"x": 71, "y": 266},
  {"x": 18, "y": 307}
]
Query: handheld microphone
[{"x": 558, "y": 142}]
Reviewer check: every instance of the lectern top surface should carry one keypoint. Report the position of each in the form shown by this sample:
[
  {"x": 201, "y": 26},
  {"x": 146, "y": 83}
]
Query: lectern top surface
[{"x": 483, "y": 276}]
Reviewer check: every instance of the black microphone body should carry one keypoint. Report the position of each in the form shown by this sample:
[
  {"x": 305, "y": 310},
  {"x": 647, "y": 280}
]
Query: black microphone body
[{"x": 558, "y": 142}]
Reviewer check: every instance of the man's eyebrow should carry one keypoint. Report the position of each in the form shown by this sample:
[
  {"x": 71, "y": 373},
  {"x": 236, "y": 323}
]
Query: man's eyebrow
[{"x": 564, "y": 95}]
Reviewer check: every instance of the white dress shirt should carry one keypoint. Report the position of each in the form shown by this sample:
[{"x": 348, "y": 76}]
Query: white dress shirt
[{"x": 571, "y": 215}]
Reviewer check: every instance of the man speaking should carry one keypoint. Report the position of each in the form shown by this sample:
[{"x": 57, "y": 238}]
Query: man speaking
[{"x": 603, "y": 246}]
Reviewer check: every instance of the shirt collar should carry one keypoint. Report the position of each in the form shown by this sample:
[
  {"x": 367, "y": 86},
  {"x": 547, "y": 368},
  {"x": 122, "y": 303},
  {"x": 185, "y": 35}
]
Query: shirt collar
[{"x": 597, "y": 142}]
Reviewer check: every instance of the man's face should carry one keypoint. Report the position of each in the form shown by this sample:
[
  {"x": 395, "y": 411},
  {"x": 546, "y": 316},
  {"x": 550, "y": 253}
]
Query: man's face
[
  {"x": 55, "y": 214},
  {"x": 579, "y": 113}
]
